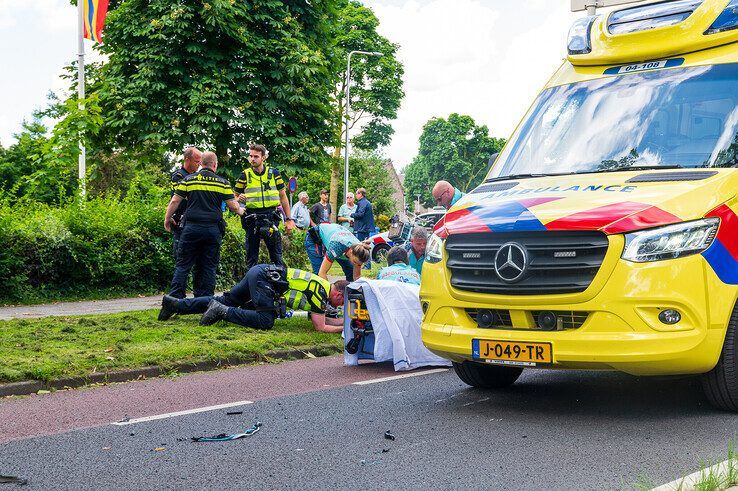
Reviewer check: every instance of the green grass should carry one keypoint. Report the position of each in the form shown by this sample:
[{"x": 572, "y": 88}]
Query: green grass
[
  {"x": 710, "y": 478},
  {"x": 365, "y": 273},
  {"x": 59, "y": 347}
]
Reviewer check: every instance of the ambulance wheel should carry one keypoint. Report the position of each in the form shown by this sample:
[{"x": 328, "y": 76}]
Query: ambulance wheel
[
  {"x": 721, "y": 383},
  {"x": 486, "y": 376},
  {"x": 379, "y": 253}
]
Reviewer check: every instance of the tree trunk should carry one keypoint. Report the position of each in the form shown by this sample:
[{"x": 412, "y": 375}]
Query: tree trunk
[{"x": 335, "y": 179}]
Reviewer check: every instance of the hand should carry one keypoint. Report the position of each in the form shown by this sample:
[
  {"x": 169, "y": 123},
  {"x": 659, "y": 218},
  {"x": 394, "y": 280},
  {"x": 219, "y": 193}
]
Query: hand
[
  {"x": 289, "y": 225},
  {"x": 241, "y": 198},
  {"x": 168, "y": 225}
]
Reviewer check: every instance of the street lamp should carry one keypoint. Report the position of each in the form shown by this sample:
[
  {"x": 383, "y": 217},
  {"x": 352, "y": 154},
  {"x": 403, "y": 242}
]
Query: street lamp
[{"x": 348, "y": 108}]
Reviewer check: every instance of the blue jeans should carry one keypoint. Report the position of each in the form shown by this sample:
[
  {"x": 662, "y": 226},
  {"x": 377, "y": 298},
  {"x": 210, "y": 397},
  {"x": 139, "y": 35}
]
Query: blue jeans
[
  {"x": 199, "y": 247},
  {"x": 316, "y": 252},
  {"x": 254, "y": 290}
]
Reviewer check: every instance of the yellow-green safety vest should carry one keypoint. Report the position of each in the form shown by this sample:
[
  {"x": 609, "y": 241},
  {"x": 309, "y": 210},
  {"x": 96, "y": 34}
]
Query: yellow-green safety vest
[
  {"x": 307, "y": 291},
  {"x": 260, "y": 190}
]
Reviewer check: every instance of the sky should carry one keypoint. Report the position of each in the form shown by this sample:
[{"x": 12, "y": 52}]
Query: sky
[{"x": 484, "y": 58}]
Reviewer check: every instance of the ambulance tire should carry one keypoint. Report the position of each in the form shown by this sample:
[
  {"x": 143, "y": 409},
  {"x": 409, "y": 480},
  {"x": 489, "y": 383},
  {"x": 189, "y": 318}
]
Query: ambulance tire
[
  {"x": 486, "y": 376},
  {"x": 721, "y": 383}
]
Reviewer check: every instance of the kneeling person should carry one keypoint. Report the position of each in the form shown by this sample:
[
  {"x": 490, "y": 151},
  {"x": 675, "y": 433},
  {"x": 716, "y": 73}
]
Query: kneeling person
[
  {"x": 398, "y": 268},
  {"x": 252, "y": 302}
]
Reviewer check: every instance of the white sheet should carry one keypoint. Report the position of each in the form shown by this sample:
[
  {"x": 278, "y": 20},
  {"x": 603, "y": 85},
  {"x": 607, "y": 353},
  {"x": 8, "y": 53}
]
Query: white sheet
[{"x": 394, "y": 309}]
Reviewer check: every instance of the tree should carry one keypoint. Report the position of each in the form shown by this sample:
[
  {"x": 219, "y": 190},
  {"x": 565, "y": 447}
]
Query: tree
[
  {"x": 453, "y": 149},
  {"x": 219, "y": 74},
  {"x": 376, "y": 86}
]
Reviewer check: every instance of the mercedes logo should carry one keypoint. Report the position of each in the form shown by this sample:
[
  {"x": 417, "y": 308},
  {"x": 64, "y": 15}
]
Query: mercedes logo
[{"x": 511, "y": 261}]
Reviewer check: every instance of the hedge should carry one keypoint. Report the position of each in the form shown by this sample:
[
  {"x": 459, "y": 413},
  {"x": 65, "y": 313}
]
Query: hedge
[{"x": 104, "y": 244}]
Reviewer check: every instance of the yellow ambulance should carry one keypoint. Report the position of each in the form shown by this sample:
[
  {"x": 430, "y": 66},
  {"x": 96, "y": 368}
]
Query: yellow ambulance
[{"x": 606, "y": 234}]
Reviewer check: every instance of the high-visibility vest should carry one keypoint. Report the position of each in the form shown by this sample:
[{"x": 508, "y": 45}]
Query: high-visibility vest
[
  {"x": 260, "y": 190},
  {"x": 307, "y": 291}
]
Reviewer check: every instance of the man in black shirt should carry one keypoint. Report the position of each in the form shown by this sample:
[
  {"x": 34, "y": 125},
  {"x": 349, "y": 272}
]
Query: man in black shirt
[
  {"x": 320, "y": 212},
  {"x": 204, "y": 226}
]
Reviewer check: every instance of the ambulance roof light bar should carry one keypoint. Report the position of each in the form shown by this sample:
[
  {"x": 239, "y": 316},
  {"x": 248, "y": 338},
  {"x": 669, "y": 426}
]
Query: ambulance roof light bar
[{"x": 591, "y": 6}]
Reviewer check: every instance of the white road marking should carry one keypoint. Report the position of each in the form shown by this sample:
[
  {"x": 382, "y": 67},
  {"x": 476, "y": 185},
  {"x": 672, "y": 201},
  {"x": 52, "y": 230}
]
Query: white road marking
[
  {"x": 404, "y": 375},
  {"x": 688, "y": 483},
  {"x": 181, "y": 413}
]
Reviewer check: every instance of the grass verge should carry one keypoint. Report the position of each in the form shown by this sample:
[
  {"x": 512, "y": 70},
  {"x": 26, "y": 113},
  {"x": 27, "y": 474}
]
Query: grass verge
[
  {"x": 717, "y": 477},
  {"x": 76, "y": 346}
]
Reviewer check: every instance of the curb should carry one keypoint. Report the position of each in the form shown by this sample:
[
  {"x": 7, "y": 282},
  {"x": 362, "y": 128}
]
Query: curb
[{"x": 33, "y": 386}]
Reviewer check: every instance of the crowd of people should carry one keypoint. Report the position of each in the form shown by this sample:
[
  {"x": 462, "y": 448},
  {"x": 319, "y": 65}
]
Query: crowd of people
[{"x": 194, "y": 216}]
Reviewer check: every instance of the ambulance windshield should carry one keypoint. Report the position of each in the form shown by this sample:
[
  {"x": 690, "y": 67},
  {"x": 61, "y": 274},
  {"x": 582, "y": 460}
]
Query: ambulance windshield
[{"x": 676, "y": 117}]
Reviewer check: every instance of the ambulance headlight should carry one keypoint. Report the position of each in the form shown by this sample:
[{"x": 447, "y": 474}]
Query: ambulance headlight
[
  {"x": 671, "y": 241},
  {"x": 434, "y": 249},
  {"x": 580, "y": 38},
  {"x": 727, "y": 20}
]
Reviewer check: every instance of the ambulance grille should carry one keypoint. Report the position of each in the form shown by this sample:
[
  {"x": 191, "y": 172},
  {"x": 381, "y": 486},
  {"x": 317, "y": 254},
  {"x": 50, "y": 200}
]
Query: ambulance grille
[{"x": 559, "y": 262}]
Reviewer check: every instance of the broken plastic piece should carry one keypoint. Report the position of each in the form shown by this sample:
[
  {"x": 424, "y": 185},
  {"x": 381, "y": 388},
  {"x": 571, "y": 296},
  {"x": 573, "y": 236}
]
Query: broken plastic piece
[
  {"x": 389, "y": 436},
  {"x": 222, "y": 437},
  {"x": 13, "y": 480}
]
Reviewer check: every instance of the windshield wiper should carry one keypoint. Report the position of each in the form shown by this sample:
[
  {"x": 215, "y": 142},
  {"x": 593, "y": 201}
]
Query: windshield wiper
[
  {"x": 632, "y": 168},
  {"x": 518, "y": 176}
]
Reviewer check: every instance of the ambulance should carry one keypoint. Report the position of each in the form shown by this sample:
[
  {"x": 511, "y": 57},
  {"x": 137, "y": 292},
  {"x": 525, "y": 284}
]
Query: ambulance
[{"x": 605, "y": 236}]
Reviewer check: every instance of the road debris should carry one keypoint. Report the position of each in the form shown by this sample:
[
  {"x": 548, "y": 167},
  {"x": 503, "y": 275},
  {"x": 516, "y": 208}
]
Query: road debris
[
  {"x": 222, "y": 437},
  {"x": 389, "y": 436},
  {"x": 159, "y": 449},
  {"x": 13, "y": 480},
  {"x": 233, "y": 413}
]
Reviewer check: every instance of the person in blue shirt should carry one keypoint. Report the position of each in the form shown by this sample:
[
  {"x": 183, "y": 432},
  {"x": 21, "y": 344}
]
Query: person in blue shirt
[
  {"x": 330, "y": 242},
  {"x": 363, "y": 218},
  {"x": 415, "y": 248},
  {"x": 398, "y": 269},
  {"x": 445, "y": 194}
]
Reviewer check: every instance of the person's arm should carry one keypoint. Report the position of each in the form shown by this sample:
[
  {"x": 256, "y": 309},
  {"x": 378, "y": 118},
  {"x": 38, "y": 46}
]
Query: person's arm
[
  {"x": 232, "y": 205},
  {"x": 289, "y": 224},
  {"x": 173, "y": 204},
  {"x": 360, "y": 211},
  {"x": 326, "y": 324},
  {"x": 324, "y": 267}
]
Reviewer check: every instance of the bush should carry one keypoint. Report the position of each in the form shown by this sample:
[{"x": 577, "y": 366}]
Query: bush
[
  {"x": 383, "y": 222},
  {"x": 107, "y": 244}
]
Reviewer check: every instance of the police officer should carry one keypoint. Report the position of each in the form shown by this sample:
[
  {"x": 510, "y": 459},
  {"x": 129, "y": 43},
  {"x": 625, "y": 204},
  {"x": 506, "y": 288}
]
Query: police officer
[
  {"x": 204, "y": 226},
  {"x": 251, "y": 303},
  {"x": 261, "y": 189},
  {"x": 192, "y": 160}
]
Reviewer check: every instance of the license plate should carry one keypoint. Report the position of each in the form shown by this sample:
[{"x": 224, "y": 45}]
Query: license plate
[{"x": 512, "y": 352}]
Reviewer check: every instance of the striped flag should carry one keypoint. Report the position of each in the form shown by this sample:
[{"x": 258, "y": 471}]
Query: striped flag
[{"x": 94, "y": 17}]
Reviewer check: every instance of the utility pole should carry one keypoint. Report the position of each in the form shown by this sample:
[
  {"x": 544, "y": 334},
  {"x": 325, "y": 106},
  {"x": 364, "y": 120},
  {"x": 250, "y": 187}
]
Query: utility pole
[{"x": 81, "y": 93}]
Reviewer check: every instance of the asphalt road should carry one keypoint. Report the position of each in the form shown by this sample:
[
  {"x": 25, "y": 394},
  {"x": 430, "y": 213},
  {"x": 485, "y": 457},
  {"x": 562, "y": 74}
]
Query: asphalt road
[{"x": 552, "y": 430}]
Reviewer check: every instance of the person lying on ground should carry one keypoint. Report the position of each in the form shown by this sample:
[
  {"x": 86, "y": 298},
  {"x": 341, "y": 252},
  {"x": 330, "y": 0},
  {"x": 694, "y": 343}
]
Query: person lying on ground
[
  {"x": 397, "y": 268},
  {"x": 256, "y": 300},
  {"x": 329, "y": 242}
]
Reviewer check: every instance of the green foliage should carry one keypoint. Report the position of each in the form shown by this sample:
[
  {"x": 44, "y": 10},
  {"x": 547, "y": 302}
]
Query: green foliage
[
  {"x": 219, "y": 74},
  {"x": 376, "y": 82},
  {"x": 367, "y": 169},
  {"x": 453, "y": 149},
  {"x": 107, "y": 243},
  {"x": 383, "y": 222}
]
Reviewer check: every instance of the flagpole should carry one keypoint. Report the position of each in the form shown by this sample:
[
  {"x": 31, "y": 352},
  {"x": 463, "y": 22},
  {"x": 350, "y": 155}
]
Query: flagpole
[{"x": 81, "y": 92}]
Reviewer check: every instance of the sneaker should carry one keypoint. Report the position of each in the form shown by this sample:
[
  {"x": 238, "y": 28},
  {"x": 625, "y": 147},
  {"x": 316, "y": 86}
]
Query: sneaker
[
  {"x": 216, "y": 311},
  {"x": 168, "y": 307}
]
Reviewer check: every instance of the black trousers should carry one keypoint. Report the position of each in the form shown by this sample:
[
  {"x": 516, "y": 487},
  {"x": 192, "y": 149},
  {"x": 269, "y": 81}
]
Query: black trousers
[
  {"x": 253, "y": 241},
  {"x": 199, "y": 247},
  {"x": 252, "y": 292}
]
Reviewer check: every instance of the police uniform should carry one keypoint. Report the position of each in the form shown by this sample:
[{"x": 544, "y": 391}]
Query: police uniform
[
  {"x": 261, "y": 192},
  {"x": 199, "y": 244},
  {"x": 252, "y": 299}
]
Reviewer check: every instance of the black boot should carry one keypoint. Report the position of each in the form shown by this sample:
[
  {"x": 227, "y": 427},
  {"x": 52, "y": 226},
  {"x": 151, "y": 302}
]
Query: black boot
[
  {"x": 216, "y": 311},
  {"x": 168, "y": 307}
]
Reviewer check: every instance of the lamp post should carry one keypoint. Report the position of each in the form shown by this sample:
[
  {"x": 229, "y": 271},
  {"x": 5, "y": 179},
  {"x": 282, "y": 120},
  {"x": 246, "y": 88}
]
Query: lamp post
[{"x": 348, "y": 108}]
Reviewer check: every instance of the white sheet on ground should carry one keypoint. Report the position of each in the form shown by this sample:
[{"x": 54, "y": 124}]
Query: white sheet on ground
[{"x": 394, "y": 309}]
